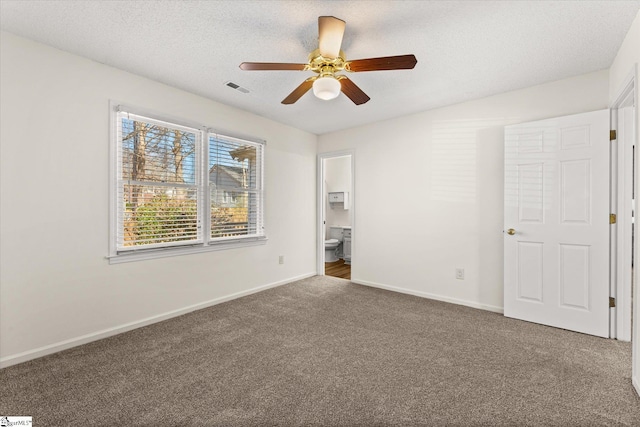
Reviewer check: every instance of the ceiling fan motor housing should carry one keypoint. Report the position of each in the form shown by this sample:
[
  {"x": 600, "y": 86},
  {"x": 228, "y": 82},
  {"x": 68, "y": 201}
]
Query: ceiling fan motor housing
[{"x": 326, "y": 67}]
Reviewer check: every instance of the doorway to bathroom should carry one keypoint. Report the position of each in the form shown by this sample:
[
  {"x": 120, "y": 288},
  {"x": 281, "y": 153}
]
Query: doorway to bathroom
[{"x": 336, "y": 231}]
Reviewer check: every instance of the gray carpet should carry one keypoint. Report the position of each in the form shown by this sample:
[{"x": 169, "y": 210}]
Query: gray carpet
[{"x": 323, "y": 351}]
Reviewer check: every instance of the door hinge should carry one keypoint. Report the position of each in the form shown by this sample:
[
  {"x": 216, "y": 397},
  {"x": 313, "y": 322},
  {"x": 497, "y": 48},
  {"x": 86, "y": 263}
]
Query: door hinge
[
  {"x": 612, "y": 302},
  {"x": 612, "y": 218},
  {"x": 613, "y": 135}
]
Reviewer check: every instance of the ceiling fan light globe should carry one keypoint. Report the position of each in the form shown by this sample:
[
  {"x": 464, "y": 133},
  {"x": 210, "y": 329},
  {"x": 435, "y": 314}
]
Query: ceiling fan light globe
[{"x": 326, "y": 88}]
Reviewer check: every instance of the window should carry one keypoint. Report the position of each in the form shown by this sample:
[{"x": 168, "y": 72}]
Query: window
[{"x": 182, "y": 188}]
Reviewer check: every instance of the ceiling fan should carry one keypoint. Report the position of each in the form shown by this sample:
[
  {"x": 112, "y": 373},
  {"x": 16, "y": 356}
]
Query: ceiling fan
[{"x": 327, "y": 61}]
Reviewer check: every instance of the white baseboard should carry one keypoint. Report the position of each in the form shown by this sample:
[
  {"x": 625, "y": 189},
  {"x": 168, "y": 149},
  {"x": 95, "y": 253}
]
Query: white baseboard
[
  {"x": 636, "y": 384},
  {"x": 473, "y": 304},
  {"x": 105, "y": 333}
]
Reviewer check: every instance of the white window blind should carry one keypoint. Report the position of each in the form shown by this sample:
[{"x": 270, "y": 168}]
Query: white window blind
[
  {"x": 158, "y": 194},
  {"x": 181, "y": 186},
  {"x": 235, "y": 187}
]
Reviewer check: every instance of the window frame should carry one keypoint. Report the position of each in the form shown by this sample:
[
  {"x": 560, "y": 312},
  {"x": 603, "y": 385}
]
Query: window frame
[{"x": 205, "y": 243}]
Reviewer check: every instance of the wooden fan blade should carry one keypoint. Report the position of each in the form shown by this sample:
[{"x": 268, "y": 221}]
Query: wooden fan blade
[
  {"x": 330, "y": 32},
  {"x": 401, "y": 62},
  {"x": 299, "y": 91},
  {"x": 271, "y": 66},
  {"x": 354, "y": 93}
]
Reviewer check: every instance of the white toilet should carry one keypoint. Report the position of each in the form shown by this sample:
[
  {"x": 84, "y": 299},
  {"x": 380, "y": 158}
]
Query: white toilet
[{"x": 332, "y": 243}]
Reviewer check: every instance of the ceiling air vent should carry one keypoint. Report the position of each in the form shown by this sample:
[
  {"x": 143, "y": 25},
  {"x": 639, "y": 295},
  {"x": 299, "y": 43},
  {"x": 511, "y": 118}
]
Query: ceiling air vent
[{"x": 232, "y": 85}]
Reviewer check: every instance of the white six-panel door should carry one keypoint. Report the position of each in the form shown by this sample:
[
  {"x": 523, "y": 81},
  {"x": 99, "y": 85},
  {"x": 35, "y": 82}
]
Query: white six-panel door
[{"x": 556, "y": 222}]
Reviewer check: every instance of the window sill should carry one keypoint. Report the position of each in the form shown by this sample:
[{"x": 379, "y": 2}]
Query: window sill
[{"x": 143, "y": 254}]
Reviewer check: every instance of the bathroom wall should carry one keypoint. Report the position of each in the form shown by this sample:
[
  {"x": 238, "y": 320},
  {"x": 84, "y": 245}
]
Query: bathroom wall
[{"x": 337, "y": 177}]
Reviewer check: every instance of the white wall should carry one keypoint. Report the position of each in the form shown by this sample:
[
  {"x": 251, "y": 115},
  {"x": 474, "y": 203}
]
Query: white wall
[
  {"x": 56, "y": 287},
  {"x": 441, "y": 174},
  {"x": 627, "y": 57},
  {"x": 337, "y": 174}
]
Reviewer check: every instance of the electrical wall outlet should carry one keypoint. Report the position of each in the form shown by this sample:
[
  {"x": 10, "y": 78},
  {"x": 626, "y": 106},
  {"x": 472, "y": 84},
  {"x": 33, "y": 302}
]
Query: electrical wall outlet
[
  {"x": 460, "y": 273},
  {"x": 281, "y": 259}
]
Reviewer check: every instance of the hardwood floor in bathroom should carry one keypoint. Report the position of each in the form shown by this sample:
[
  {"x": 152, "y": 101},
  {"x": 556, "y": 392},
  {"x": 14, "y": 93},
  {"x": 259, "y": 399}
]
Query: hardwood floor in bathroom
[{"x": 338, "y": 269}]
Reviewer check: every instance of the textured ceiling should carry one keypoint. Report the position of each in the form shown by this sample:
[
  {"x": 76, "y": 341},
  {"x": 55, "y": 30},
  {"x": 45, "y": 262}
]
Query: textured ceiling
[{"x": 465, "y": 50}]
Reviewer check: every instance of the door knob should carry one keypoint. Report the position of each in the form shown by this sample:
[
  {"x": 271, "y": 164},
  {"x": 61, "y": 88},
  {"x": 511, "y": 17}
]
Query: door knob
[{"x": 511, "y": 232}]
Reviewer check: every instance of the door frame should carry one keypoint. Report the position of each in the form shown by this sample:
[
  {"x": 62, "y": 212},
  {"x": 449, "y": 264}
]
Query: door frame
[
  {"x": 630, "y": 87},
  {"x": 321, "y": 205},
  {"x": 620, "y": 325}
]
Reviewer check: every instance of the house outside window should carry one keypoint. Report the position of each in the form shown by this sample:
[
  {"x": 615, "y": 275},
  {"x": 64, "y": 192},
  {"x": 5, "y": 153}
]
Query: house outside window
[{"x": 180, "y": 188}]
